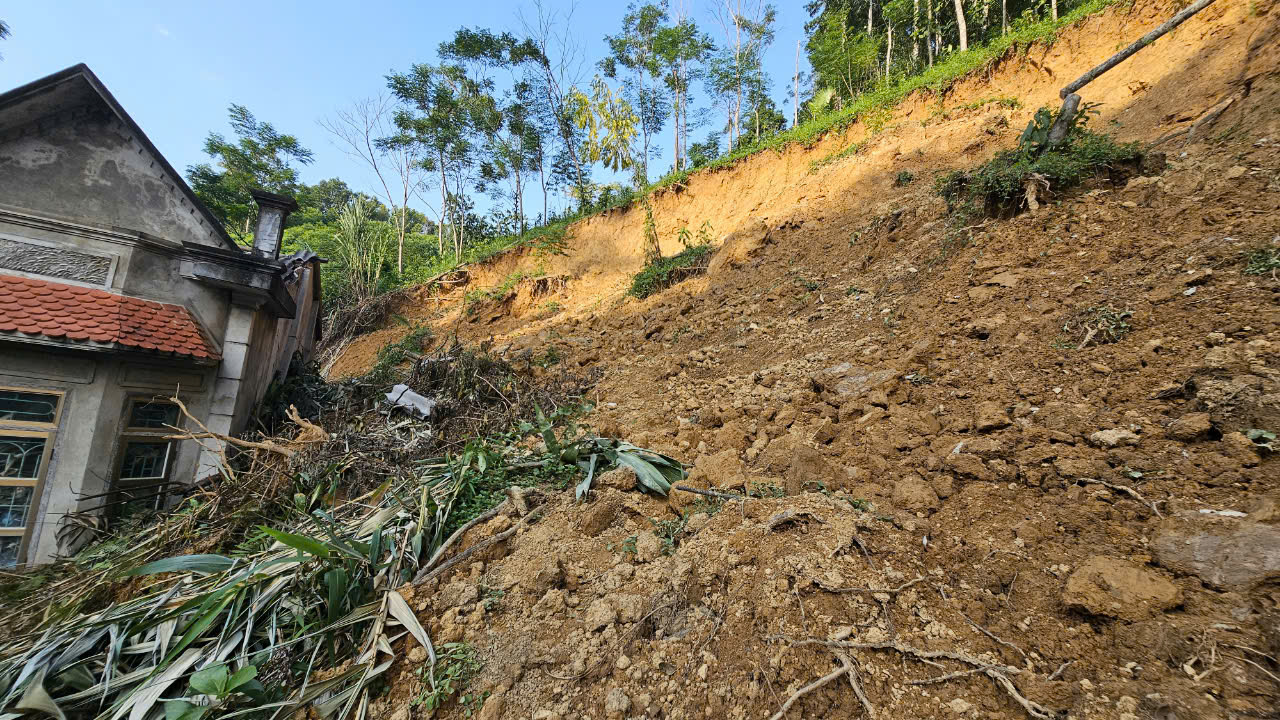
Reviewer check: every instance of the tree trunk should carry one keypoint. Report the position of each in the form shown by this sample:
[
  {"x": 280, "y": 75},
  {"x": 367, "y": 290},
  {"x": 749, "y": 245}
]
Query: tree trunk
[
  {"x": 962, "y": 29},
  {"x": 795, "y": 98},
  {"x": 1004, "y": 16},
  {"x": 928, "y": 36},
  {"x": 915, "y": 32},
  {"x": 888, "y": 52},
  {"x": 870, "y": 6},
  {"x": 1053, "y": 6}
]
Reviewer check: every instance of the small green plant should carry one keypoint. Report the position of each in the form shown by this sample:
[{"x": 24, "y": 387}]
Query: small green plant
[
  {"x": 627, "y": 547},
  {"x": 685, "y": 237},
  {"x": 219, "y": 685},
  {"x": 765, "y": 490},
  {"x": 652, "y": 248},
  {"x": 491, "y": 598},
  {"x": 666, "y": 272},
  {"x": 547, "y": 358},
  {"x": 1101, "y": 324},
  {"x": 1263, "y": 261},
  {"x": 1263, "y": 439},
  {"x": 861, "y": 504},
  {"x": 904, "y": 178},
  {"x": 853, "y": 290},
  {"x": 807, "y": 284},
  {"x": 456, "y": 666},
  {"x": 704, "y": 232},
  {"x": 668, "y": 532},
  {"x": 918, "y": 379}
]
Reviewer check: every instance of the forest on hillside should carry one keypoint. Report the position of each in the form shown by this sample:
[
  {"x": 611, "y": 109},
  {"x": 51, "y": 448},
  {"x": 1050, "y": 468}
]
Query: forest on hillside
[{"x": 550, "y": 128}]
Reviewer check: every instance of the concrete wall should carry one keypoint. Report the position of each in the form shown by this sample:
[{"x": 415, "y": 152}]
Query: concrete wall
[
  {"x": 90, "y": 168},
  {"x": 98, "y": 388}
]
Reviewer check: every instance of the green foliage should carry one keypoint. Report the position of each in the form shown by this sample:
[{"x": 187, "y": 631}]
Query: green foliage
[
  {"x": 609, "y": 122},
  {"x": 904, "y": 178},
  {"x": 999, "y": 186},
  {"x": 1263, "y": 261},
  {"x": 668, "y": 271},
  {"x": 259, "y": 158},
  {"x": 363, "y": 249},
  {"x": 393, "y": 354},
  {"x": 627, "y": 547},
  {"x": 1263, "y": 439},
  {"x": 457, "y": 664},
  {"x": 765, "y": 490},
  {"x": 1100, "y": 325}
]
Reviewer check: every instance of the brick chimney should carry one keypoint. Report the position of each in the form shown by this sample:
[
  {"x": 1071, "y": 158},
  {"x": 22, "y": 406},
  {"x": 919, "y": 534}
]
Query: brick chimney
[{"x": 272, "y": 211}]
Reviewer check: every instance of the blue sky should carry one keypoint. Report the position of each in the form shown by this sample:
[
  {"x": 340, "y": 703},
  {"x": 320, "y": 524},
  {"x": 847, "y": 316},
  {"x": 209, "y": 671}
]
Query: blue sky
[{"x": 176, "y": 66}]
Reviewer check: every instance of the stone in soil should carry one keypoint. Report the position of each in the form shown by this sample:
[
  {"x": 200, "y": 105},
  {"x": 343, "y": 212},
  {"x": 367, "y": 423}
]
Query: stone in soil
[
  {"x": 1225, "y": 552},
  {"x": 1120, "y": 589}
]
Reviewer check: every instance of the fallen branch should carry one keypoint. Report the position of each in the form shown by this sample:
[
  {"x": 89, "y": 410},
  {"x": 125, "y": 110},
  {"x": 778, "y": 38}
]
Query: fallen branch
[
  {"x": 856, "y": 683},
  {"x": 1057, "y": 673},
  {"x": 951, "y": 676},
  {"x": 708, "y": 493}
]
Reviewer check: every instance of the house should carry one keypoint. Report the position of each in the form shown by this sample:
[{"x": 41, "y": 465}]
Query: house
[{"x": 118, "y": 289}]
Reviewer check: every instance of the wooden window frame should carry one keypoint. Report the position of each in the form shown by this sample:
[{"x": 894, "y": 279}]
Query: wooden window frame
[
  {"x": 28, "y": 428},
  {"x": 57, "y": 412},
  {"x": 129, "y": 434}
]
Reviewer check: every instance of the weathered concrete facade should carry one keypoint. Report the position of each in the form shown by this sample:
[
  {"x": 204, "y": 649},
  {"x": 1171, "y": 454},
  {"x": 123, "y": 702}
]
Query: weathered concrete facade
[{"x": 121, "y": 290}]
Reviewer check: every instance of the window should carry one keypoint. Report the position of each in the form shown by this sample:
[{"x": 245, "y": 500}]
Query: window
[
  {"x": 145, "y": 457},
  {"x": 17, "y": 406},
  {"x": 28, "y": 419}
]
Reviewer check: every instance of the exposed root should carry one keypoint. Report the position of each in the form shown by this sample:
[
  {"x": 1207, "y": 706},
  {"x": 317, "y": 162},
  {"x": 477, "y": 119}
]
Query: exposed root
[
  {"x": 1128, "y": 491},
  {"x": 844, "y": 669}
]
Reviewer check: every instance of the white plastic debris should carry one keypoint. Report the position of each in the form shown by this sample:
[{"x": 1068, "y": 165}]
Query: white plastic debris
[
  {"x": 1224, "y": 513},
  {"x": 413, "y": 403}
]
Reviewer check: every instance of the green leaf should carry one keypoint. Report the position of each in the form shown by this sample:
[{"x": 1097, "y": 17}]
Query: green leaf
[
  {"x": 183, "y": 710},
  {"x": 584, "y": 487},
  {"x": 241, "y": 676},
  {"x": 299, "y": 542},
  {"x": 211, "y": 681},
  {"x": 336, "y": 580},
  {"x": 206, "y": 564},
  {"x": 648, "y": 475}
]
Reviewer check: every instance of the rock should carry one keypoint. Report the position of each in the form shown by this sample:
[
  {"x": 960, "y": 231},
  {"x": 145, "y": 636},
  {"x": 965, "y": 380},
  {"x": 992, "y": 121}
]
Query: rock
[
  {"x": 619, "y": 478},
  {"x": 990, "y": 416},
  {"x": 983, "y": 327},
  {"x": 913, "y": 494},
  {"x": 826, "y": 432},
  {"x": 630, "y": 607},
  {"x": 960, "y": 705},
  {"x": 722, "y": 470},
  {"x": 1117, "y": 437},
  {"x": 1235, "y": 171},
  {"x": 493, "y": 707},
  {"x": 549, "y": 573},
  {"x": 808, "y": 467},
  {"x": 1120, "y": 589},
  {"x": 616, "y": 702},
  {"x": 740, "y": 245},
  {"x": 1190, "y": 427},
  {"x": 1240, "y": 449},
  {"x": 968, "y": 465},
  {"x": 546, "y": 714},
  {"x": 648, "y": 547},
  {"x": 1225, "y": 552},
  {"x": 598, "y": 516},
  {"x": 418, "y": 654},
  {"x": 697, "y": 521},
  {"x": 600, "y": 615},
  {"x": 855, "y": 383}
]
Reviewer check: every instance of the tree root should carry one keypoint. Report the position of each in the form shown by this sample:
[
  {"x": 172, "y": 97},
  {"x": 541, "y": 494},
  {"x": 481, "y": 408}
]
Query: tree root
[{"x": 999, "y": 673}]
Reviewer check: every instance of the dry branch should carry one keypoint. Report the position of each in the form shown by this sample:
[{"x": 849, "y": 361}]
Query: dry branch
[{"x": 844, "y": 668}]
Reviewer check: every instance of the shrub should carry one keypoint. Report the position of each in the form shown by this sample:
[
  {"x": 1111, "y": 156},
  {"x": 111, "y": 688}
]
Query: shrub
[
  {"x": 999, "y": 187},
  {"x": 1263, "y": 261},
  {"x": 904, "y": 178},
  {"x": 665, "y": 272}
]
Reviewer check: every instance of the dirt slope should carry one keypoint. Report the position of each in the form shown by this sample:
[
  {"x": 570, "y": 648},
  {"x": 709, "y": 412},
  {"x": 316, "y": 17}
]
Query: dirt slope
[{"x": 1011, "y": 455}]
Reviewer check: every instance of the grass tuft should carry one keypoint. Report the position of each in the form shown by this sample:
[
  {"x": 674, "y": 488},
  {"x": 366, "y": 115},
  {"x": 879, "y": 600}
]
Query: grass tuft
[{"x": 666, "y": 272}]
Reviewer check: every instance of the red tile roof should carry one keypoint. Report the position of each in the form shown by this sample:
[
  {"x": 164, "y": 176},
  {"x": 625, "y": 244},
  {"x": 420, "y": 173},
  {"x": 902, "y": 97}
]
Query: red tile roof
[{"x": 81, "y": 314}]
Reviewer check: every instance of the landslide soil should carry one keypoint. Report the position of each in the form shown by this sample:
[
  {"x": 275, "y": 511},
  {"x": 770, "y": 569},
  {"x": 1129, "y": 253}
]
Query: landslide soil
[{"x": 967, "y": 466}]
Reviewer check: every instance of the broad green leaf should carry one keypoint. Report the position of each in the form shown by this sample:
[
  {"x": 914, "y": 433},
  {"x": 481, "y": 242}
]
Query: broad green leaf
[
  {"x": 241, "y": 676},
  {"x": 183, "y": 710},
  {"x": 646, "y": 473},
  {"x": 211, "y": 681},
  {"x": 299, "y": 542},
  {"x": 204, "y": 564}
]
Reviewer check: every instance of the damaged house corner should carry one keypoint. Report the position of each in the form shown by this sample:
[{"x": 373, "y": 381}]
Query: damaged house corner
[{"x": 118, "y": 288}]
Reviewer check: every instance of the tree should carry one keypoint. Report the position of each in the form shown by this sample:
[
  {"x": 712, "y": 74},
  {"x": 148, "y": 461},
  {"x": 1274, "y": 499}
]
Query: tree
[
  {"x": 963, "y": 29},
  {"x": 438, "y": 105},
  {"x": 609, "y": 122},
  {"x": 366, "y": 132},
  {"x": 635, "y": 50},
  {"x": 736, "y": 69},
  {"x": 559, "y": 62},
  {"x": 260, "y": 158},
  {"x": 321, "y": 203},
  {"x": 4, "y": 33},
  {"x": 362, "y": 246},
  {"x": 678, "y": 48}
]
